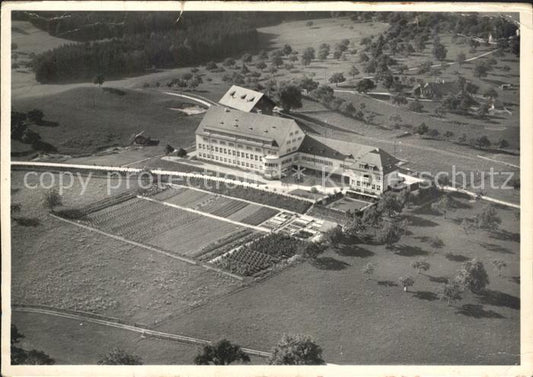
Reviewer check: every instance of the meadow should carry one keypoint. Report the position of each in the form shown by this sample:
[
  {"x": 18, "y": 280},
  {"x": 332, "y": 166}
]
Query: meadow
[
  {"x": 368, "y": 319},
  {"x": 61, "y": 265}
]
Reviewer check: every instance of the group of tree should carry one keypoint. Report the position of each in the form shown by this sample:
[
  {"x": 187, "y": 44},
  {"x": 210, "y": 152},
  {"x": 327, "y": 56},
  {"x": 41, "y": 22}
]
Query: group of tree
[
  {"x": 20, "y": 356},
  {"x": 135, "y": 53},
  {"x": 21, "y": 131},
  {"x": 291, "y": 350},
  {"x": 472, "y": 276}
]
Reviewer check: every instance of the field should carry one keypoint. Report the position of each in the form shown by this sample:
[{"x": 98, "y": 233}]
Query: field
[
  {"x": 84, "y": 343},
  {"x": 374, "y": 321},
  {"x": 64, "y": 266},
  {"x": 97, "y": 119},
  {"x": 236, "y": 210}
]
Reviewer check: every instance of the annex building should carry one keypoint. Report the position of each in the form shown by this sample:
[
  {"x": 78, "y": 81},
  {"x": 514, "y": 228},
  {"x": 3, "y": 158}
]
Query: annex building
[{"x": 273, "y": 146}]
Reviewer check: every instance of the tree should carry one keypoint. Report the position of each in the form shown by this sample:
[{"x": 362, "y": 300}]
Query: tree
[
  {"x": 181, "y": 152},
  {"x": 420, "y": 265},
  {"x": 498, "y": 265},
  {"x": 502, "y": 143},
  {"x": 369, "y": 269},
  {"x": 229, "y": 62},
  {"x": 448, "y": 135},
  {"x": 296, "y": 350},
  {"x": 490, "y": 92},
  {"x": 451, "y": 292},
  {"x": 416, "y": 106},
  {"x": 211, "y": 66},
  {"x": 480, "y": 69},
  {"x": 98, "y": 80},
  {"x": 334, "y": 236},
  {"x": 439, "y": 51},
  {"x": 336, "y": 78},
  {"x": 391, "y": 233},
  {"x": 169, "y": 149},
  {"x": 389, "y": 204},
  {"x": 20, "y": 356},
  {"x": 364, "y": 85},
  {"x": 222, "y": 353},
  {"x": 473, "y": 276},
  {"x": 363, "y": 58},
  {"x": 399, "y": 99},
  {"x": 51, "y": 199},
  {"x": 461, "y": 58},
  {"x": 406, "y": 282},
  {"x": 323, "y": 54},
  {"x": 118, "y": 356},
  {"x": 261, "y": 65},
  {"x": 286, "y": 50},
  {"x": 422, "y": 129},
  {"x": 290, "y": 97},
  {"x": 488, "y": 218},
  {"x": 277, "y": 60},
  {"x": 308, "y": 55},
  {"x": 353, "y": 71},
  {"x": 313, "y": 250},
  {"x": 246, "y": 58},
  {"x": 436, "y": 242},
  {"x": 35, "y": 116},
  {"x": 425, "y": 67},
  {"x": 466, "y": 225},
  {"x": 308, "y": 84},
  {"x": 483, "y": 142}
]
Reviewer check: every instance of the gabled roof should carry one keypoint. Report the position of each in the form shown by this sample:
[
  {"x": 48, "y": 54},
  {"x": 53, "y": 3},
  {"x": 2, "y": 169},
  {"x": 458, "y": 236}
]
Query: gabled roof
[
  {"x": 266, "y": 128},
  {"x": 241, "y": 98},
  {"x": 341, "y": 150}
]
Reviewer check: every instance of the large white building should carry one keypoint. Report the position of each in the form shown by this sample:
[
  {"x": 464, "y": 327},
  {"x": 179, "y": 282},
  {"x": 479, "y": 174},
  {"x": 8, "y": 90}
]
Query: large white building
[{"x": 273, "y": 146}]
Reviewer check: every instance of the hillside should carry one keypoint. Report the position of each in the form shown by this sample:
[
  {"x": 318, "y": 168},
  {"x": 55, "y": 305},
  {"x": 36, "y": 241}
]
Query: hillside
[{"x": 96, "y": 119}]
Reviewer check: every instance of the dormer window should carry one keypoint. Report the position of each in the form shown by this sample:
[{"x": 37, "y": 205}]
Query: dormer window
[
  {"x": 232, "y": 93},
  {"x": 243, "y": 96}
]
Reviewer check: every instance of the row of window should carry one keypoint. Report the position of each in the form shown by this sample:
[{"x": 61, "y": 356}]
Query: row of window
[
  {"x": 230, "y": 161},
  {"x": 374, "y": 187},
  {"x": 241, "y": 146},
  {"x": 317, "y": 160},
  {"x": 249, "y": 156}
]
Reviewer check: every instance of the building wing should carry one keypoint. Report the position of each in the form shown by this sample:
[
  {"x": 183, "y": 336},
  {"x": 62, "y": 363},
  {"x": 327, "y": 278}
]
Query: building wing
[
  {"x": 342, "y": 150},
  {"x": 265, "y": 128},
  {"x": 242, "y": 99}
]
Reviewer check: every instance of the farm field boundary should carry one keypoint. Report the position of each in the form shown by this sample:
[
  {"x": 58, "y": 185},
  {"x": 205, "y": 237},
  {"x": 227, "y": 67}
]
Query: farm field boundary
[
  {"x": 123, "y": 326},
  {"x": 205, "y": 214},
  {"x": 150, "y": 248}
]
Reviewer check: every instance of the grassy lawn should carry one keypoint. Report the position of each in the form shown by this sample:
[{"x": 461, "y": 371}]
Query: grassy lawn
[
  {"x": 91, "y": 119},
  {"x": 348, "y": 204},
  {"x": 372, "y": 321}
]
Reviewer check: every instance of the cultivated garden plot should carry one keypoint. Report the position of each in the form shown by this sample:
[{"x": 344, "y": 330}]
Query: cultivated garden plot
[
  {"x": 159, "y": 225},
  {"x": 236, "y": 210}
]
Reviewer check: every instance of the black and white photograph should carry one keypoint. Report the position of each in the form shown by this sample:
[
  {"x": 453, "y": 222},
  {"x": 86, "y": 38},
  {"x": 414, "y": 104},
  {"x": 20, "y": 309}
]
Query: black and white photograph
[{"x": 245, "y": 186}]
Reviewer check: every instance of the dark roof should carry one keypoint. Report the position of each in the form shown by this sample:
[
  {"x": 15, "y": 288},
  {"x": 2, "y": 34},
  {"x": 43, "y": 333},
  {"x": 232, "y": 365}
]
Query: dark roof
[
  {"x": 243, "y": 99},
  {"x": 263, "y": 127},
  {"x": 341, "y": 150}
]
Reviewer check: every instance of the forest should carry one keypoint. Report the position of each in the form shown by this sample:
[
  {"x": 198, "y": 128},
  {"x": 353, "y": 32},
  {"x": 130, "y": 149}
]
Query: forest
[{"x": 117, "y": 44}]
